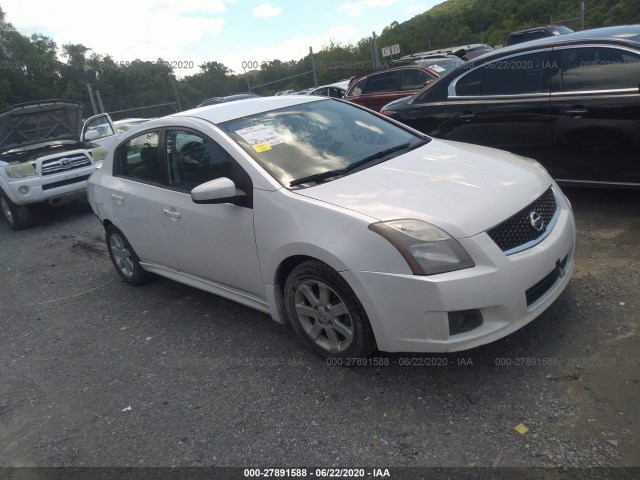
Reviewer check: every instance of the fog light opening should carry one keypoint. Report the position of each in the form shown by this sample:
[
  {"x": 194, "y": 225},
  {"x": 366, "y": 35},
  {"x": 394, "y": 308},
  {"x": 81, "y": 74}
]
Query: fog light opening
[
  {"x": 23, "y": 190},
  {"x": 464, "y": 321}
]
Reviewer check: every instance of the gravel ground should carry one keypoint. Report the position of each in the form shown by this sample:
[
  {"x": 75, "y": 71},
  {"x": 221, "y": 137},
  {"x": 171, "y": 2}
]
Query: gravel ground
[{"x": 98, "y": 373}]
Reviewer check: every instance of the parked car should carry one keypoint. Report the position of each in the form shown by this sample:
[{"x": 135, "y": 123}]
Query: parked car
[
  {"x": 375, "y": 89},
  {"x": 571, "y": 102},
  {"x": 229, "y": 98},
  {"x": 537, "y": 33},
  {"x": 464, "y": 52},
  {"x": 102, "y": 132},
  {"x": 440, "y": 64},
  {"x": 42, "y": 159},
  {"x": 359, "y": 231},
  {"x": 334, "y": 90},
  {"x": 289, "y": 91}
]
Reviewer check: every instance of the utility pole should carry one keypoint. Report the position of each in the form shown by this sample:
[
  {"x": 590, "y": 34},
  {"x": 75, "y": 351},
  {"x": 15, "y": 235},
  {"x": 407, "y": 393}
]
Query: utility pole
[
  {"x": 313, "y": 67},
  {"x": 100, "y": 101},
  {"x": 582, "y": 16},
  {"x": 175, "y": 90},
  {"x": 374, "y": 51},
  {"x": 93, "y": 102}
]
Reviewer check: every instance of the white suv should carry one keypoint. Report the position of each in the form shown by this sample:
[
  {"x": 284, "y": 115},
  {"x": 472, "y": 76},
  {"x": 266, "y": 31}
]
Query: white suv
[{"x": 41, "y": 158}]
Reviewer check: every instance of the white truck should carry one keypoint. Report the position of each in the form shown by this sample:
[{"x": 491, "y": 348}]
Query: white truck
[{"x": 42, "y": 158}]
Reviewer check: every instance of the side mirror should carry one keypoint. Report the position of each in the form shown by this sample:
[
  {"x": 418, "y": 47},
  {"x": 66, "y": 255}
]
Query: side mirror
[
  {"x": 91, "y": 135},
  {"x": 220, "y": 190}
]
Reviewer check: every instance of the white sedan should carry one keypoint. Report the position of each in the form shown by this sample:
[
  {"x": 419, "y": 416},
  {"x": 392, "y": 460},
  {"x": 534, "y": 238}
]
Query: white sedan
[{"x": 360, "y": 232}]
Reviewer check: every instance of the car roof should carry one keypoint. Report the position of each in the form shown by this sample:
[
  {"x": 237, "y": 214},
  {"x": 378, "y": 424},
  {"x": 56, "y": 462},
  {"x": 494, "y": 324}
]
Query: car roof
[
  {"x": 542, "y": 28},
  {"x": 341, "y": 84},
  {"x": 223, "y": 112},
  {"x": 130, "y": 120},
  {"x": 391, "y": 69},
  {"x": 629, "y": 33}
]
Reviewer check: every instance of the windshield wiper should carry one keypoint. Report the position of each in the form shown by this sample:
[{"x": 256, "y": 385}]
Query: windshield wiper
[{"x": 320, "y": 177}]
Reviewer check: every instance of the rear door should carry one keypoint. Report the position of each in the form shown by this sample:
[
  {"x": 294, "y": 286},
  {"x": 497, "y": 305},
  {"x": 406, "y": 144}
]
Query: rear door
[
  {"x": 135, "y": 192},
  {"x": 504, "y": 104},
  {"x": 595, "y": 105}
]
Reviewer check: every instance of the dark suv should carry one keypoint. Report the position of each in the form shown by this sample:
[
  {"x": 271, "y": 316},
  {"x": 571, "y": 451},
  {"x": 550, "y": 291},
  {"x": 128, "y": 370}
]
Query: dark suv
[
  {"x": 377, "y": 88},
  {"x": 537, "y": 33},
  {"x": 570, "y": 102}
]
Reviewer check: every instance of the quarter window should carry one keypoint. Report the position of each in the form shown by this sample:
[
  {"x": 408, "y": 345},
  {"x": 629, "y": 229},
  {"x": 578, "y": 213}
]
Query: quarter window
[
  {"x": 599, "y": 68},
  {"x": 358, "y": 88},
  {"x": 514, "y": 76},
  {"x": 138, "y": 158},
  {"x": 192, "y": 160},
  {"x": 470, "y": 85}
]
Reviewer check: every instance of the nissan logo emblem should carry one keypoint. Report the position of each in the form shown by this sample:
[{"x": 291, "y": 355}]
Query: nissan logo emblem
[{"x": 536, "y": 221}]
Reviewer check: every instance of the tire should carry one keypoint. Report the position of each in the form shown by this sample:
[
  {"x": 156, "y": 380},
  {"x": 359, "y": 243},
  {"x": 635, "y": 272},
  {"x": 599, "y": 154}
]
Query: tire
[
  {"x": 325, "y": 312},
  {"x": 124, "y": 258},
  {"x": 18, "y": 216}
]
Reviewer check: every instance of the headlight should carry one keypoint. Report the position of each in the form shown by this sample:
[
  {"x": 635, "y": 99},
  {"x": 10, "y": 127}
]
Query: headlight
[
  {"x": 426, "y": 248},
  {"x": 99, "y": 153},
  {"x": 20, "y": 170}
]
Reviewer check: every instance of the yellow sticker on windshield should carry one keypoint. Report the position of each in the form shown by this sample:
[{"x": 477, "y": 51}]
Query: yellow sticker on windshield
[{"x": 262, "y": 147}]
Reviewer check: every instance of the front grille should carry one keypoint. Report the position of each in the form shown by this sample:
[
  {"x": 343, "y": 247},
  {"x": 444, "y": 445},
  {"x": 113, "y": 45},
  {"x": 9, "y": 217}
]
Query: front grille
[
  {"x": 62, "y": 183},
  {"x": 543, "y": 286},
  {"x": 519, "y": 229},
  {"x": 64, "y": 164}
]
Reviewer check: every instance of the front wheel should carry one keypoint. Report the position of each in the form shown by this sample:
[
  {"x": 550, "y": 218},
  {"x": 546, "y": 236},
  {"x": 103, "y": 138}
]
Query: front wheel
[
  {"x": 325, "y": 312},
  {"x": 18, "y": 216},
  {"x": 124, "y": 258}
]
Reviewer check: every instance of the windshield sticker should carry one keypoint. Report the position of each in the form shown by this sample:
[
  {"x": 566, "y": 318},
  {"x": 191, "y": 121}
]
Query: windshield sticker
[
  {"x": 260, "y": 137},
  {"x": 262, "y": 147}
]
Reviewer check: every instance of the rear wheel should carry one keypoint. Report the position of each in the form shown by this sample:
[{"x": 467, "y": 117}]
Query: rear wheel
[
  {"x": 124, "y": 258},
  {"x": 325, "y": 312},
  {"x": 18, "y": 216}
]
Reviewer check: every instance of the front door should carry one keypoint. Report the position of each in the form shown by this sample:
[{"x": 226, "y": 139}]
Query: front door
[{"x": 214, "y": 242}]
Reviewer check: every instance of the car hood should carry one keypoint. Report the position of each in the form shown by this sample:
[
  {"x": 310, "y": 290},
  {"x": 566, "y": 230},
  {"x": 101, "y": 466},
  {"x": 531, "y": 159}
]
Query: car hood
[
  {"x": 464, "y": 189},
  {"x": 38, "y": 122}
]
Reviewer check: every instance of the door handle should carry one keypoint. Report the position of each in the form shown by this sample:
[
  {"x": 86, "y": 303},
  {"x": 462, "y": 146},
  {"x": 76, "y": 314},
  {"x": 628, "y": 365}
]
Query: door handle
[
  {"x": 574, "y": 112},
  {"x": 172, "y": 214},
  {"x": 118, "y": 198},
  {"x": 466, "y": 116}
]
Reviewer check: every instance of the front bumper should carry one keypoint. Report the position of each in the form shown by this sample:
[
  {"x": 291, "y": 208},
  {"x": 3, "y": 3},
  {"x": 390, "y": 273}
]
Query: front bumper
[
  {"x": 410, "y": 313},
  {"x": 55, "y": 189}
]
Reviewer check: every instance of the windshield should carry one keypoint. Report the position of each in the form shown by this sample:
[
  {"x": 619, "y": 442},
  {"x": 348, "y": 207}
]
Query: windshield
[{"x": 302, "y": 140}]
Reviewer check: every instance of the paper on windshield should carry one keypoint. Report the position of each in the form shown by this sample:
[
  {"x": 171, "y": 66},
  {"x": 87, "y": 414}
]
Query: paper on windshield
[{"x": 260, "y": 137}]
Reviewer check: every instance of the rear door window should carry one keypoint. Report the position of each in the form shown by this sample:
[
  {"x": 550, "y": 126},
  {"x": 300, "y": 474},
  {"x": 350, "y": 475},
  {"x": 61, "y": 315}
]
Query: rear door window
[
  {"x": 413, "y": 79},
  {"x": 138, "y": 158},
  {"x": 381, "y": 82}
]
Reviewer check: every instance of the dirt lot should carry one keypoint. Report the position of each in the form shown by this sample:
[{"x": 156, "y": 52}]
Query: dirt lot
[{"x": 98, "y": 373}]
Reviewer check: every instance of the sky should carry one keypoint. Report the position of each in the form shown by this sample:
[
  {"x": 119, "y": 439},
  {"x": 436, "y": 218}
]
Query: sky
[{"x": 237, "y": 33}]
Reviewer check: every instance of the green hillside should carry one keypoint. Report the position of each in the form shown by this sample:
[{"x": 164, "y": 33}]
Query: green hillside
[
  {"x": 456, "y": 22},
  {"x": 34, "y": 68}
]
